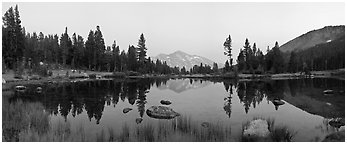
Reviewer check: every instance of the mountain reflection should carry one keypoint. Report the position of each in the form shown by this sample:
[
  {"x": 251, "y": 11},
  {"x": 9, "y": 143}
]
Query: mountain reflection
[{"x": 181, "y": 85}]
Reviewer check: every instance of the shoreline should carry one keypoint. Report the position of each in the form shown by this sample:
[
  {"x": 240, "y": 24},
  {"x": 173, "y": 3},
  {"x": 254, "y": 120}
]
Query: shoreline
[{"x": 56, "y": 78}]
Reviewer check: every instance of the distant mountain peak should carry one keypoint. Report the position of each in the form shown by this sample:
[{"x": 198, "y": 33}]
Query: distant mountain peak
[{"x": 183, "y": 59}]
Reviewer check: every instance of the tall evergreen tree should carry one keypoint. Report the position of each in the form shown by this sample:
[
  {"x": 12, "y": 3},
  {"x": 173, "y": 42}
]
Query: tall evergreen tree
[
  {"x": 278, "y": 61},
  {"x": 90, "y": 49},
  {"x": 248, "y": 54},
  {"x": 142, "y": 50},
  {"x": 100, "y": 49},
  {"x": 132, "y": 61},
  {"x": 123, "y": 61},
  {"x": 116, "y": 57},
  {"x": 65, "y": 45},
  {"x": 228, "y": 50},
  {"x": 215, "y": 67},
  {"x": 241, "y": 60}
]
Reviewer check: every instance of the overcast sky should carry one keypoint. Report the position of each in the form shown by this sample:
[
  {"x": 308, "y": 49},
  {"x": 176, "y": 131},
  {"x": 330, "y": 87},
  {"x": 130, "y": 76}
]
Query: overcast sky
[{"x": 195, "y": 28}]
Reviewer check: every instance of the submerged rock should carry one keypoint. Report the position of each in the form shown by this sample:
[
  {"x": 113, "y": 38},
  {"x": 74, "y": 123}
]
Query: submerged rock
[
  {"x": 138, "y": 120},
  {"x": 328, "y": 92},
  {"x": 256, "y": 128},
  {"x": 161, "y": 112},
  {"x": 205, "y": 124},
  {"x": 126, "y": 110},
  {"x": 164, "y": 102}
]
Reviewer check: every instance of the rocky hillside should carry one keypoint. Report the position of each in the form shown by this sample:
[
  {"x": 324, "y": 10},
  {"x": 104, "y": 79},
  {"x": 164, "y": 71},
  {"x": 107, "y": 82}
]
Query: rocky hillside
[
  {"x": 181, "y": 59},
  {"x": 313, "y": 38}
]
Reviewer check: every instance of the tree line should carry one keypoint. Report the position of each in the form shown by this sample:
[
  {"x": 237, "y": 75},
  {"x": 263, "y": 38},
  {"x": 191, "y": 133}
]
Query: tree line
[
  {"x": 31, "y": 49},
  {"x": 327, "y": 56}
]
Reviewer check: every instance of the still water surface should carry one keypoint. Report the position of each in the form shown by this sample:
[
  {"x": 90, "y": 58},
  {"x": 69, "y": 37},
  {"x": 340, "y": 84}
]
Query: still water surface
[{"x": 98, "y": 105}]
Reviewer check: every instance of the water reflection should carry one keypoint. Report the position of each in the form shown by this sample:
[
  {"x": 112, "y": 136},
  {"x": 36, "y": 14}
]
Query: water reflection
[{"x": 93, "y": 96}]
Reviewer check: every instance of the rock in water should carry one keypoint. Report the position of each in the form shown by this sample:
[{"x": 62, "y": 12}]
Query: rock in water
[
  {"x": 161, "y": 112},
  {"x": 328, "y": 92},
  {"x": 337, "y": 122},
  {"x": 164, "y": 102},
  {"x": 39, "y": 90},
  {"x": 20, "y": 88},
  {"x": 138, "y": 120},
  {"x": 126, "y": 110},
  {"x": 278, "y": 102},
  {"x": 256, "y": 128}
]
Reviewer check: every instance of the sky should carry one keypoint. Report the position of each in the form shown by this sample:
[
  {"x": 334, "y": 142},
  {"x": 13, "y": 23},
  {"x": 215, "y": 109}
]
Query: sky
[{"x": 195, "y": 28}]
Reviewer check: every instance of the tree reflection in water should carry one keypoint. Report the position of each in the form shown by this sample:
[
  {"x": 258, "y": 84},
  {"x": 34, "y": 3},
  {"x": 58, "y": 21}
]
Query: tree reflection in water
[{"x": 228, "y": 100}]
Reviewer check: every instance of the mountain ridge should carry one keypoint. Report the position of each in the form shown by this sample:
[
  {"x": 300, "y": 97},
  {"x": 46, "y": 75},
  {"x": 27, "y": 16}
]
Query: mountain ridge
[{"x": 313, "y": 38}]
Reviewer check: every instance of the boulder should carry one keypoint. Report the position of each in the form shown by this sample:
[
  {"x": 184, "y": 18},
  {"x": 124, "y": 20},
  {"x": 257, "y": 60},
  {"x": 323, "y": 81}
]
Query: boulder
[
  {"x": 256, "y": 128},
  {"x": 138, "y": 120},
  {"x": 126, "y": 110},
  {"x": 164, "y": 102},
  {"x": 3, "y": 81},
  {"x": 161, "y": 112}
]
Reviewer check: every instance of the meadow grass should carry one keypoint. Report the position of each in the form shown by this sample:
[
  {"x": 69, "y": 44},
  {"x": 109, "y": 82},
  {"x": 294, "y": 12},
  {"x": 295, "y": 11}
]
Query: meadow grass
[{"x": 30, "y": 122}]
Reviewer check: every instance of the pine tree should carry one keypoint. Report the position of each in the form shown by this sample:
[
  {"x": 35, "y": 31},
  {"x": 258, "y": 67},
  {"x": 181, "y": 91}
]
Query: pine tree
[
  {"x": 19, "y": 36},
  {"x": 132, "y": 61},
  {"x": 56, "y": 48},
  {"x": 123, "y": 61},
  {"x": 13, "y": 38},
  {"x": 90, "y": 49},
  {"x": 142, "y": 50},
  {"x": 228, "y": 50},
  {"x": 65, "y": 45},
  {"x": 278, "y": 61},
  {"x": 116, "y": 56},
  {"x": 215, "y": 67},
  {"x": 248, "y": 54},
  {"x": 80, "y": 52},
  {"x": 100, "y": 49},
  {"x": 241, "y": 61}
]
